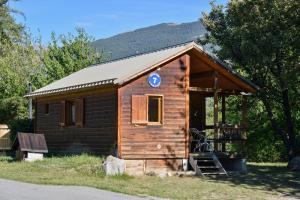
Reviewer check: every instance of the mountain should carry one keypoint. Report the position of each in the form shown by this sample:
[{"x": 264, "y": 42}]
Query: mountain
[{"x": 148, "y": 39}]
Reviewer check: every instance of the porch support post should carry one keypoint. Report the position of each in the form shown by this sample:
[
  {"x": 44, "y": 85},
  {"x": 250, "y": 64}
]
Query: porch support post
[
  {"x": 223, "y": 118},
  {"x": 223, "y": 110},
  {"x": 187, "y": 104},
  {"x": 216, "y": 123},
  {"x": 244, "y": 116}
]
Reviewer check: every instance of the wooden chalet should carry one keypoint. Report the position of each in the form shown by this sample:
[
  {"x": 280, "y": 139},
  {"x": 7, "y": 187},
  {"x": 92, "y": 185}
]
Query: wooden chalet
[{"x": 142, "y": 108}]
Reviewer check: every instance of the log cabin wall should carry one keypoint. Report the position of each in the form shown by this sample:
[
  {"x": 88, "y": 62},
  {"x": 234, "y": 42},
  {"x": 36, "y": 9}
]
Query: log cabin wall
[
  {"x": 158, "y": 145},
  {"x": 98, "y": 134}
]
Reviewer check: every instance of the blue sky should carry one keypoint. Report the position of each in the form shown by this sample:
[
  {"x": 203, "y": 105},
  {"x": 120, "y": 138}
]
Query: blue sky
[{"x": 102, "y": 18}]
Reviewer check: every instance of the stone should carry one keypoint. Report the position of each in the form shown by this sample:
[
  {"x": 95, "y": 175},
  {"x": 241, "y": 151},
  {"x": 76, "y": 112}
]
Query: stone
[
  {"x": 185, "y": 173},
  {"x": 162, "y": 174},
  {"x": 294, "y": 164},
  {"x": 151, "y": 173},
  {"x": 114, "y": 166}
]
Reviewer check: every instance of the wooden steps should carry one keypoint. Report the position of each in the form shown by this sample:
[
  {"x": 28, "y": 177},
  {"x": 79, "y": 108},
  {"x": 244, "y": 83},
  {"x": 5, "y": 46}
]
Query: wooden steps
[
  {"x": 206, "y": 163},
  {"x": 209, "y": 167}
]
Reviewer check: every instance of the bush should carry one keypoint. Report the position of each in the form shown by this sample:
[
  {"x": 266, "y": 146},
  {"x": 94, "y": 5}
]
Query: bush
[
  {"x": 6, "y": 159},
  {"x": 262, "y": 144},
  {"x": 12, "y": 108},
  {"x": 263, "y": 147},
  {"x": 21, "y": 125}
]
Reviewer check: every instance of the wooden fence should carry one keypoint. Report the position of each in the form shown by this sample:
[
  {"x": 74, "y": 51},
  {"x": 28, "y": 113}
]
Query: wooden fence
[{"x": 5, "y": 143}]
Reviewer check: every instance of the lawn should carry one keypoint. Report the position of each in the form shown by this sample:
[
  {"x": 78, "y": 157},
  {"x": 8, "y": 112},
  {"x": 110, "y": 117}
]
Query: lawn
[{"x": 264, "y": 181}]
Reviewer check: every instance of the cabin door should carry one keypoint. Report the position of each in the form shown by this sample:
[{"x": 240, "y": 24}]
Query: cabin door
[{"x": 197, "y": 110}]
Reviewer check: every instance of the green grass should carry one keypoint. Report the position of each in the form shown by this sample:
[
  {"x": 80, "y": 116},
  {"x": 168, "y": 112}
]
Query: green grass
[{"x": 264, "y": 180}]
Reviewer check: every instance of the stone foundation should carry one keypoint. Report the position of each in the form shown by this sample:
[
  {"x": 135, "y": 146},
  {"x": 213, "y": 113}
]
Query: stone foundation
[{"x": 148, "y": 166}]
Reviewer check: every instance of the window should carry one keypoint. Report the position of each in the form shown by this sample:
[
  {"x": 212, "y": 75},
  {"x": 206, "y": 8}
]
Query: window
[
  {"x": 72, "y": 113},
  {"x": 155, "y": 109},
  {"x": 46, "y": 109},
  {"x": 147, "y": 109}
]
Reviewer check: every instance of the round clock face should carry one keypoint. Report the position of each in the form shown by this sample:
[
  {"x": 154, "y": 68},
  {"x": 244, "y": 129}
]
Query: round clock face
[{"x": 154, "y": 80}]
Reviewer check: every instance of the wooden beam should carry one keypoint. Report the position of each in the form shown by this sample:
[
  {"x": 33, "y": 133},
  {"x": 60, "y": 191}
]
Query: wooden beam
[
  {"x": 216, "y": 123},
  {"x": 206, "y": 74},
  {"x": 187, "y": 104},
  {"x": 216, "y": 66},
  {"x": 119, "y": 120},
  {"x": 223, "y": 110},
  {"x": 198, "y": 89},
  {"x": 223, "y": 119}
]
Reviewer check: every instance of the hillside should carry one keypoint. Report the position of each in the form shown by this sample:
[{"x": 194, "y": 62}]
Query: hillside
[{"x": 148, "y": 39}]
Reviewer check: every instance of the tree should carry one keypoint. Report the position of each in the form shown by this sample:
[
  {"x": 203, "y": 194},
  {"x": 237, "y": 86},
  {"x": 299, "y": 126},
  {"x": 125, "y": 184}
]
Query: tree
[
  {"x": 261, "y": 39},
  {"x": 18, "y": 61},
  {"x": 10, "y": 31},
  {"x": 67, "y": 54},
  {"x": 24, "y": 60}
]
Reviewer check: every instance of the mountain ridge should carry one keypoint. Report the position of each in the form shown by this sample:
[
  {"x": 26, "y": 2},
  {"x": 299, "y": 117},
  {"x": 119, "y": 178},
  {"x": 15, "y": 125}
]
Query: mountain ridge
[{"x": 148, "y": 39}]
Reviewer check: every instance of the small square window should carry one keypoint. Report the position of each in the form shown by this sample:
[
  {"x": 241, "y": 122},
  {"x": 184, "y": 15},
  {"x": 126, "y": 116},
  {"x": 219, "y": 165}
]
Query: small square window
[{"x": 147, "y": 109}]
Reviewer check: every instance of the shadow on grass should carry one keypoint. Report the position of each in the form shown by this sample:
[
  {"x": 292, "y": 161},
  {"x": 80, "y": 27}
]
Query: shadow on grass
[{"x": 267, "y": 178}]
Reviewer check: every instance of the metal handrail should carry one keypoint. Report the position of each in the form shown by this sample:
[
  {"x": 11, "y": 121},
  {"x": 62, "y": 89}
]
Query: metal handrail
[{"x": 202, "y": 144}]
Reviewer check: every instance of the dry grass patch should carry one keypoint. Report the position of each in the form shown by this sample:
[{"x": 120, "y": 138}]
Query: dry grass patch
[{"x": 264, "y": 181}]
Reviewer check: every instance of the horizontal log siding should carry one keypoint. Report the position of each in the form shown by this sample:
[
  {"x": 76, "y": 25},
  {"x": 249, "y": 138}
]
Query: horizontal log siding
[
  {"x": 141, "y": 141},
  {"x": 98, "y": 134}
]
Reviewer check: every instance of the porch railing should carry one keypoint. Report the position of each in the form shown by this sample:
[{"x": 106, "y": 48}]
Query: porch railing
[
  {"x": 227, "y": 133},
  {"x": 5, "y": 143},
  {"x": 230, "y": 132}
]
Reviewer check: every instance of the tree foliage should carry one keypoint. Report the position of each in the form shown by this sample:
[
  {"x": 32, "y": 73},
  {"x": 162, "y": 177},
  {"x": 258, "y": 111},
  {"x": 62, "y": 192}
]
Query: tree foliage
[
  {"x": 261, "y": 39},
  {"x": 10, "y": 31},
  {"x": 24, "y": 60},
  {"x": 18, "y": 60},
  {"x": 67, "y": 54}
]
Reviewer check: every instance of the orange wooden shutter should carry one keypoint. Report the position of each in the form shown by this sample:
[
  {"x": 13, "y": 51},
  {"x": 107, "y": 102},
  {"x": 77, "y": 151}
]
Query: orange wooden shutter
[
  {"x": 63, "y": 113},
  {"x": 79, "y": 108},
  {"x": 139, "y": 109}
]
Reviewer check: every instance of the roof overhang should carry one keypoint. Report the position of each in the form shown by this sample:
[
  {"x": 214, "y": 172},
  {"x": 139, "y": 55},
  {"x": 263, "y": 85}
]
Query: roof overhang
[
  {"x": 192, "y": 47},
  {"x": 214, "y": 62},
  {"x": 225, "y": 69},
  {"x": 71, "y": 88}
]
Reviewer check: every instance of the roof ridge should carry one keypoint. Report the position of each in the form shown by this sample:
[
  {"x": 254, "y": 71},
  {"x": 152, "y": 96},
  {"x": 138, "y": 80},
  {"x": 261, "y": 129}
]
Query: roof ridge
[{"x": 144, "y": 53}]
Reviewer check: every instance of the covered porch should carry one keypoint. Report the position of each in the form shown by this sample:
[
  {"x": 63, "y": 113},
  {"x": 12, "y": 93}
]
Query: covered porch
[{"x": 210, "y": 87}]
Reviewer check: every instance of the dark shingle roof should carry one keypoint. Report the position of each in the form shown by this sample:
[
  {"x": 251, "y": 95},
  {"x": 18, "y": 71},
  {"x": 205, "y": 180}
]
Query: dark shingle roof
[{"x": 30, "y": 142}]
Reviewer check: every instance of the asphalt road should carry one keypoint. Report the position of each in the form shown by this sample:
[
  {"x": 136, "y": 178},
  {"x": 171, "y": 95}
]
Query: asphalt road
[{"x": 14, "y": 190}]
